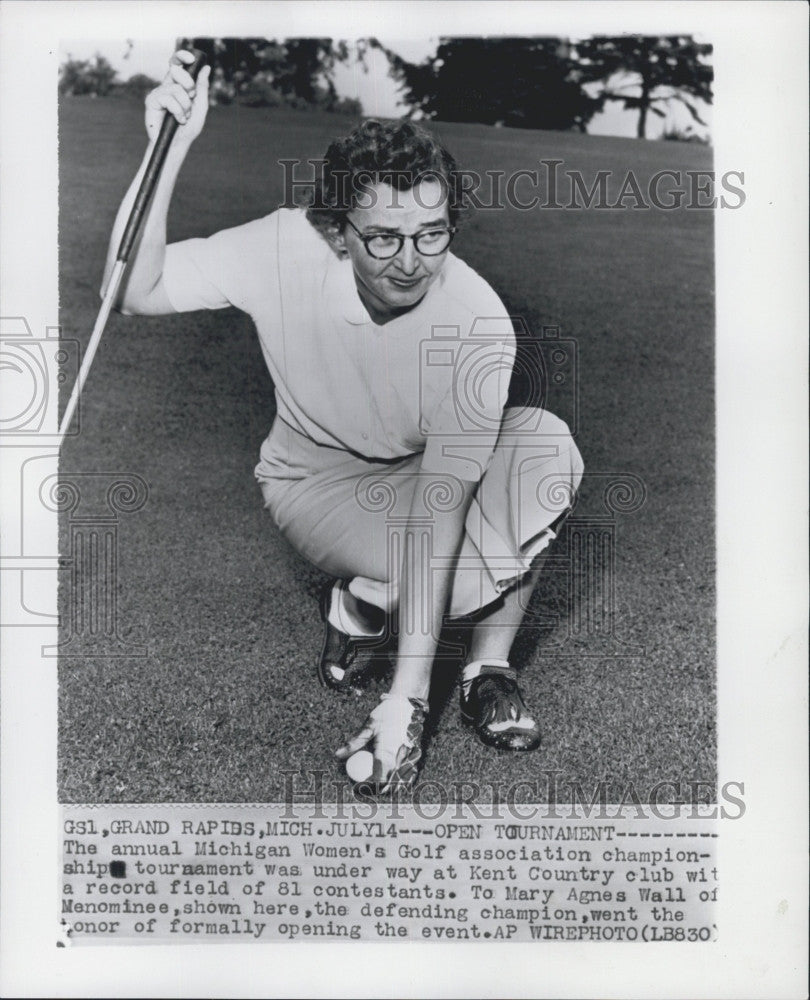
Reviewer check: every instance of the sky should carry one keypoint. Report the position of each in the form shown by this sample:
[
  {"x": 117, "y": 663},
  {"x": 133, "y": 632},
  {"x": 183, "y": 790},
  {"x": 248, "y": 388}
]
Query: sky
[{"x": 376, "y": 91}]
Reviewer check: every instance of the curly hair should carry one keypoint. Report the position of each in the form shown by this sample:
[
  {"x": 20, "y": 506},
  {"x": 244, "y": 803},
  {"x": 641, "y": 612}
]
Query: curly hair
[{"x": 398, "y": 153}]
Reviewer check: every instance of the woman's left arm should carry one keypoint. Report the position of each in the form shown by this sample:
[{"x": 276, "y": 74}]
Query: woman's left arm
[{"x": 429, "y": 546}]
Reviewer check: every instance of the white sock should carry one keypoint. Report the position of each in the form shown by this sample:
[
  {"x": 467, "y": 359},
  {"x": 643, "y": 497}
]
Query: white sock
[
  {"x": 341, "y": 618},
  {"x": 473, "y": 669}
]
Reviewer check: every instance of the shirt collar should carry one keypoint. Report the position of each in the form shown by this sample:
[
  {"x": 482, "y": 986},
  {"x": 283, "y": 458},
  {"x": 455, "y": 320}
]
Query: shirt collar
[{"x": 344, "y": 300}]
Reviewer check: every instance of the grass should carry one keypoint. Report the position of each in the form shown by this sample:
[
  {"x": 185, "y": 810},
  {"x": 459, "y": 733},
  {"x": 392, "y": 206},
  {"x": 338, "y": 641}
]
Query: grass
[{"x": 226, "y": 698}]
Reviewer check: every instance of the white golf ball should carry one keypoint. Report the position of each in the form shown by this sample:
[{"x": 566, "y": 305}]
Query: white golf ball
[{"x": 360, "y": 766}]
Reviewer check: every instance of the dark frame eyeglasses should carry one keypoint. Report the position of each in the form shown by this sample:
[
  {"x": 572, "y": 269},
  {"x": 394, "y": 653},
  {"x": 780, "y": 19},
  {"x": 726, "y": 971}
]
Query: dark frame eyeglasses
[{"x": 383, "y": 246}]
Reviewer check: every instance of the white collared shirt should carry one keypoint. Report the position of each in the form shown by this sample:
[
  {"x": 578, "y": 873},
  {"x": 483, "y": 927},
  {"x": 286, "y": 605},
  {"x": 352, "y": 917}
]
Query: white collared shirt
[{"x": 433, "y": 380}]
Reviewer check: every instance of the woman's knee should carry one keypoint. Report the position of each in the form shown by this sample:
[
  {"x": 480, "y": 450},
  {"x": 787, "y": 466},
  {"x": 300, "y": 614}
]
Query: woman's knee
[
  {"x": 531, "y": 429},
  {"x": 534, "y": 422},
  {"x": 544, "y": 455}
]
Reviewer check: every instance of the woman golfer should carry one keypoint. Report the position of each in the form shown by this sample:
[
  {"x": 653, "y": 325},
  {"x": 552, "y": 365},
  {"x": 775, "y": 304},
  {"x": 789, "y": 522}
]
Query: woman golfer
[{"x": 393, "y": 463}]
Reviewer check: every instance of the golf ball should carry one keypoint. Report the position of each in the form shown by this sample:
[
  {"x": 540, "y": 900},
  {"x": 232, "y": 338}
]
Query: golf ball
[{"x": 360, "y": 766}]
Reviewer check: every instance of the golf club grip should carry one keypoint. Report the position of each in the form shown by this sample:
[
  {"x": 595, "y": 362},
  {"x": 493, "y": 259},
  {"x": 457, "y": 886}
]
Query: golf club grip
[{"x": 155, "y": 165}]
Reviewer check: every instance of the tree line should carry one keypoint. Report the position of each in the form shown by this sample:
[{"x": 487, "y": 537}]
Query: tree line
[{"x": 539, "y": 83}]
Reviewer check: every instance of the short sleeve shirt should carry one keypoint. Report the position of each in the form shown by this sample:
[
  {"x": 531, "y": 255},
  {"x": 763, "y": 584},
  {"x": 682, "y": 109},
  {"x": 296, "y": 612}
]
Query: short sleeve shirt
[{"x": 433, "y": 380}]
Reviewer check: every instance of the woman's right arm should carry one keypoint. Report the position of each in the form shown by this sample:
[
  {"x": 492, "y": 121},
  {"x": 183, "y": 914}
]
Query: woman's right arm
[{"x": 142, "y": 291}]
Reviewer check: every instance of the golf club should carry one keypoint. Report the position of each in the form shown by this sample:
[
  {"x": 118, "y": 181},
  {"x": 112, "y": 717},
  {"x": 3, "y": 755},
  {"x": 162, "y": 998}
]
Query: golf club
[{"x": 136, "y": 216}]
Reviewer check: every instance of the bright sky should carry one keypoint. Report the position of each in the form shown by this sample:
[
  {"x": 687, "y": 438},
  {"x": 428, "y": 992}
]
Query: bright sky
[{"x": 376, "y": 91}]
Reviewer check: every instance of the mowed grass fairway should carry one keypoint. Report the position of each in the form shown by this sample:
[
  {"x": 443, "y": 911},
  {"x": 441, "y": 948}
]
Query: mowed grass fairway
[{"x": 227, "y": 698}]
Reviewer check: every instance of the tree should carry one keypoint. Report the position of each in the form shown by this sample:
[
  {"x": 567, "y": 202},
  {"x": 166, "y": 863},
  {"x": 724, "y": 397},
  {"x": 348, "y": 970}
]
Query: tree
[
  {"x": 665, "y": 68},
  {"x": 522, "y": 82},
  {"x": 80, "y": 76},
  {"x": 138, "y": 85},
  {"x": 296, "y": 71},
  {"x": 306, "y": 69}
]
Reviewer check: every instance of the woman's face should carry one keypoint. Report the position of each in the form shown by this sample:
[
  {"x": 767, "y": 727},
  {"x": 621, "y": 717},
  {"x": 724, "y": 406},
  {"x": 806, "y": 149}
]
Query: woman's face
[{"x": 393, "y": 286}]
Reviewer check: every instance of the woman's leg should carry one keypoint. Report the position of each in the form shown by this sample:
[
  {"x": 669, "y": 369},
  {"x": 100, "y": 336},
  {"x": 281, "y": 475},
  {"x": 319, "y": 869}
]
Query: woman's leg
[
  {"x": 336, "y": 517},
  {"x": 497, "y": 625},
  {"x": 491, "y": 701},
  {"x": 526, "y": 492}
]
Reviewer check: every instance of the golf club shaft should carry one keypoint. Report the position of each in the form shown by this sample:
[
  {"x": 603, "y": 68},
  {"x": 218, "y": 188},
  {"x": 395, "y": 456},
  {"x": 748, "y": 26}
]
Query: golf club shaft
[
  {"x": 92, "y": 347},
  {"x": 134, "y": 222}
]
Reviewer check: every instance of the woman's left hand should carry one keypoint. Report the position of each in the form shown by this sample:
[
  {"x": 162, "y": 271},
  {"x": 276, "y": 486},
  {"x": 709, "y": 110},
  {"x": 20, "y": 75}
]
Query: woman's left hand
[{"x": 395, "y": 727}]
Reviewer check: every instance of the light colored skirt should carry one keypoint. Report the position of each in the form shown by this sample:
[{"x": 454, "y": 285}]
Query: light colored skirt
[{"x": 346, "y": 514}]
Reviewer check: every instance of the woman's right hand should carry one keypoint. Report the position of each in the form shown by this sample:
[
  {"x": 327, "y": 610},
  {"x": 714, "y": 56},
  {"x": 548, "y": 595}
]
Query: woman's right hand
[
  {"x": 181, "y": 97},
  {"x": 395, "y": 729}
]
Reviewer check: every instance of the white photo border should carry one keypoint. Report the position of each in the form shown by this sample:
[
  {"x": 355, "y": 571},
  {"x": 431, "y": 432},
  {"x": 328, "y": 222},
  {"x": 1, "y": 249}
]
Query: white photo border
[{"x": 760, "y": 58}]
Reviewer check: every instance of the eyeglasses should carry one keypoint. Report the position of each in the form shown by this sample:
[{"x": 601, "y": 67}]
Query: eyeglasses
[{"x": 429, "y": 243}]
